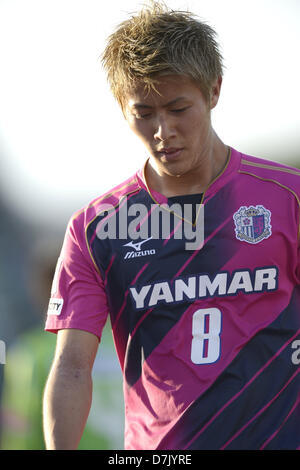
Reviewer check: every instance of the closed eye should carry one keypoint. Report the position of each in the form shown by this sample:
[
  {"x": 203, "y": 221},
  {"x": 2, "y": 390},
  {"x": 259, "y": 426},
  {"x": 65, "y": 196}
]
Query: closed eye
[
  {"x": 180, "y": 110},
  {"x": 142, "y": 116},
  {"x": 147, "y": 115}
]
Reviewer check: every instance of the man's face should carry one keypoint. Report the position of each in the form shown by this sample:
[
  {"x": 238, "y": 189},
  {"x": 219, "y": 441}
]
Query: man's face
[{"x": 174, "y": 124}]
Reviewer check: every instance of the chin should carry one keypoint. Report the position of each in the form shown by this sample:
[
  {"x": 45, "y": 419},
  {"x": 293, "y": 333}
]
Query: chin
[
  {"x": 177, "y": 170},
  {"x": 174, "y": 169}
]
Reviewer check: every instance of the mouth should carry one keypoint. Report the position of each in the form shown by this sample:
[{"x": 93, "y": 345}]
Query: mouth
[{"x": 169, "y": 153}]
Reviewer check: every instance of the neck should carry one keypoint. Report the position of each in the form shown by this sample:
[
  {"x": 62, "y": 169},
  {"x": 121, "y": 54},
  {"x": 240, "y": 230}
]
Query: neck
[{"x": 208, "y": 167}]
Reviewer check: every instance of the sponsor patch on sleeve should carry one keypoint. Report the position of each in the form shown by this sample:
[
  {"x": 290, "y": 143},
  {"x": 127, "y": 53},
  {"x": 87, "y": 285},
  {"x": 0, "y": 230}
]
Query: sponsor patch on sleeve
[{"x": 55, "y": 306}]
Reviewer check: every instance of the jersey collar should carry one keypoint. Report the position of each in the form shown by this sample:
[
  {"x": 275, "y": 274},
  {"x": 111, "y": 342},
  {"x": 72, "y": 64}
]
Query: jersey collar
[{"x": 232, "y": 166}]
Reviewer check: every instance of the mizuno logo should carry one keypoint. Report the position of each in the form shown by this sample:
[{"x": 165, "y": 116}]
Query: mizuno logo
[
  {"x": 137, "y": 246},
  {"x": 138, "y": 250}
]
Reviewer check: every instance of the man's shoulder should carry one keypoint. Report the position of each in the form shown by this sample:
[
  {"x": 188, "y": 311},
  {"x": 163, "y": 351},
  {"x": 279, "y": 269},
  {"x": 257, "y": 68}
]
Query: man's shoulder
[
  {"x": 107, "y": 200},
  {"x": 272, "y": 171}
]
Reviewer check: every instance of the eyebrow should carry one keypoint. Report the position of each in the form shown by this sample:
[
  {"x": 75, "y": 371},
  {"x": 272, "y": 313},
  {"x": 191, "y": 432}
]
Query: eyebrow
[{"x": 146, "y": 106}]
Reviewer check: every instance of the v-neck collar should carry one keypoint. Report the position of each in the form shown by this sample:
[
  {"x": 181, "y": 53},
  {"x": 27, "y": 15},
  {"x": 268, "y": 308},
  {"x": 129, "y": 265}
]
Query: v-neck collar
[{"x": 232, "y": 165}]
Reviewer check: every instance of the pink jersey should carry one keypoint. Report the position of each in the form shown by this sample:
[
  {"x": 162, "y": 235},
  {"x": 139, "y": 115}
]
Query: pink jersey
[{"x": 207, "y": 338}]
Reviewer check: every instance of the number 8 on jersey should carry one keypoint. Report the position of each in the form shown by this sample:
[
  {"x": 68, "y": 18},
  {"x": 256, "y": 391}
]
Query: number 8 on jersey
[{"x": 206, "y": 342}]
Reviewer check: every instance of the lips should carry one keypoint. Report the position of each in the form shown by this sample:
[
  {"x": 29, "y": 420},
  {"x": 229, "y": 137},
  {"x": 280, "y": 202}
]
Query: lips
[{"x": 170, "y": 153}]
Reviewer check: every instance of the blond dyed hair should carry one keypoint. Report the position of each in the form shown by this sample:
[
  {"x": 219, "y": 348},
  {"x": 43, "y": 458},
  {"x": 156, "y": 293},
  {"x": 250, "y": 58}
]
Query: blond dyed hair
[{"x": 158, "y": 41}]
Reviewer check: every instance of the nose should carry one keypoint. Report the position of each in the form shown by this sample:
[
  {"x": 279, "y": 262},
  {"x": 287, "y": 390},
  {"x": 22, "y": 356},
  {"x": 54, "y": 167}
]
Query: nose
[{"x": 163, "y": 129}]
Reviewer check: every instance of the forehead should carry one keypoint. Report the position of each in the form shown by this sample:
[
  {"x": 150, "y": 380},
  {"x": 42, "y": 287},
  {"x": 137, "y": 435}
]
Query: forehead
[{"x": 169, "y": 89}]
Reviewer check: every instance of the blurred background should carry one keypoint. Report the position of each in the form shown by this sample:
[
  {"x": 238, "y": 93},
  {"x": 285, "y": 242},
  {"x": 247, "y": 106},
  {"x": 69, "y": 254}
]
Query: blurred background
[{"x": 63, "y": 142}]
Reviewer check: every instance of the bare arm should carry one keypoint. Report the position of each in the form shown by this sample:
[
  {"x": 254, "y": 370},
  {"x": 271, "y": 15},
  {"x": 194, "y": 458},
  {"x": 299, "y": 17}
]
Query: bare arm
[{"x": 68, "y": 391}]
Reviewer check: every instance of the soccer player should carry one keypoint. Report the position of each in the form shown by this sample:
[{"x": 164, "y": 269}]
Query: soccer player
[{"x": 206, "y": 329}]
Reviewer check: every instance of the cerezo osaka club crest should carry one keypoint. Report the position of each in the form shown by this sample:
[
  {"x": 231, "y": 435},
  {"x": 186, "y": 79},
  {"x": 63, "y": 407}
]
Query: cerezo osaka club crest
[{"x": 252, "y": 224}]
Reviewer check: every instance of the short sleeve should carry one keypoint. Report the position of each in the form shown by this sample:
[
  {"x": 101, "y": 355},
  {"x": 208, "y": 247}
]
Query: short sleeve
[{"x": 78, "y": 299}]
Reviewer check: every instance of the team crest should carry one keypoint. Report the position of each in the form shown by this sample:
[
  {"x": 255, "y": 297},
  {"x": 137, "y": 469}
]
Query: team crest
[{"x": 252, "y": 224}]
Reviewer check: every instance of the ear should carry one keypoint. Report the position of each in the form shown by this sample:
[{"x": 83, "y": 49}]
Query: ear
[{"x": 215, "y": 92}]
